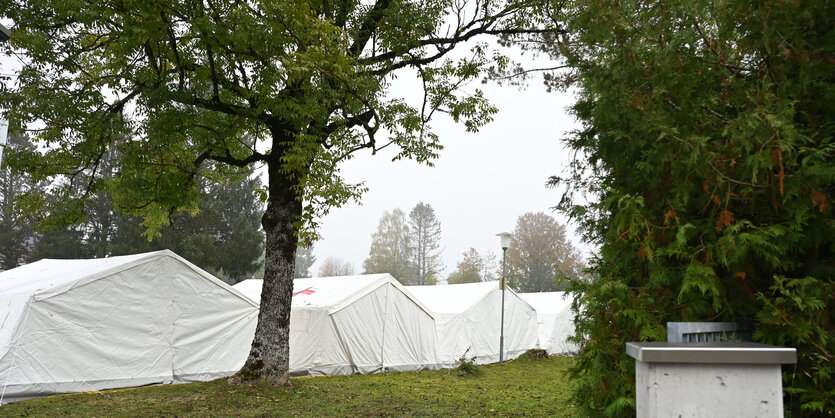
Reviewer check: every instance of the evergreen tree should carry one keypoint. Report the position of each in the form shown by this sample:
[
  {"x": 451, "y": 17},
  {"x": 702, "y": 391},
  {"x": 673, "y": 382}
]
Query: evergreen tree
[
  {"x": 707, "y": 128},
  {"x": 16, "y": 231},
  {"x": 304, "y": 261},
  {"x": 389, "y": 251},
  {"x": 64, "y": 244},
  {"x": 224, "y": 237},
  {"x": 424, "y": 243}
]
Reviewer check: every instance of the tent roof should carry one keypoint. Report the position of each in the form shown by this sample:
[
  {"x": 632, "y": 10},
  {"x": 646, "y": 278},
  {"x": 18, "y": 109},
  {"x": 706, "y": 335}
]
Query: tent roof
[
  {"x": 332, "y": 293},
  {"x": 49, "y": 273},
  {"x": 453, "y": 298},
  {"x": 47, "y": 277},
  {"x": 547, "y": 302}
]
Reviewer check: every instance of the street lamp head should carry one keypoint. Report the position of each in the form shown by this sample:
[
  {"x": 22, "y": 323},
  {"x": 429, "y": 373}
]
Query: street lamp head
[
  {"x": 5, "y": 34},
  {"x": 505, "y": 238}
]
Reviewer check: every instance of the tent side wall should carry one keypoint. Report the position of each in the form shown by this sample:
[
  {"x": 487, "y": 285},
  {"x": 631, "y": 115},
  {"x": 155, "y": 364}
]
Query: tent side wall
[
  {"x": 360, "y": 326},
  {"x": 409, "y": 334},
  {"x": 12, "y": 310},
  {"x": 521, "y": 327},
  {"x": 556, "y": 321},
  {"x": 484, "y": 322},
  {"x": 561, "y": 329},
  {"x": 134, "y": 327},
  {"x": 211, "y": 325},
  {"x": 315, "y": 347},
  {"x": 77, "y": 340},
  {"x": 454, "y": 333},
  {"x": 545, "y": 322},
  {"x": 385, "y": 330}
]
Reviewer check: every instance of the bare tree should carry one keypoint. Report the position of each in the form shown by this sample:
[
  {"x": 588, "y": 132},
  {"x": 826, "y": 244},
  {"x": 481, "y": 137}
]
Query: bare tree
[
  {"x": 335, "y": 266},
  {"x": 492, "y": 270},
  {"x": 424, "y": 243}
]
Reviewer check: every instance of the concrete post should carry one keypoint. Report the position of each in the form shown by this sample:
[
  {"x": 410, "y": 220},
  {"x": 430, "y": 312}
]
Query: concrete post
[{"x": 720, "y": 380}]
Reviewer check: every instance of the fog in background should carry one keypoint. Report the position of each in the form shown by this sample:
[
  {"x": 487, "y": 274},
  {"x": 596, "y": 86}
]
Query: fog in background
[{"x": 481, "y": 181}]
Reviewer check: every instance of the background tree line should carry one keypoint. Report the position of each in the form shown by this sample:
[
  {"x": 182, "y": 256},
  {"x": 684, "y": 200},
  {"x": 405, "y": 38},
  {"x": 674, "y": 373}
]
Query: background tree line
[
  {"x": 407, "y": 248},
  {"x": 539, "y": 259},
  {"x": 223, "y": 236}
]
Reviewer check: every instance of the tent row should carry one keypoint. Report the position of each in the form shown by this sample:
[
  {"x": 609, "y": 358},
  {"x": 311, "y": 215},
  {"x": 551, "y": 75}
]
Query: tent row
[
  {"x": 468, "y": 321},
  {"x": 555, "y": 321},
  {"x": 371, "y": 323},
  {"x": 84, "y": 325},
  {"x": 355, "y": 324}
]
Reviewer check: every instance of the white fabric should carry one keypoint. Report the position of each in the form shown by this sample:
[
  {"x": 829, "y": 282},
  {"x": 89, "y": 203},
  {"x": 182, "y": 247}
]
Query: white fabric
[
  {"x": 81, "y": 325},
  {"x": 556, "y": 321},
  {"x": 468, "y": 321},
  {"x": 355, "y": 324}
]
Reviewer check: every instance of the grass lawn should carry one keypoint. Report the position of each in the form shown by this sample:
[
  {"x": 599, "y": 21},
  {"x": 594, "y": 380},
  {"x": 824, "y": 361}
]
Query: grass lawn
[{"x": 523, "y": 387}]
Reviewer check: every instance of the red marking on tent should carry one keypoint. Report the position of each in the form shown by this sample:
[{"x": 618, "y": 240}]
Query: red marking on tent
[{"x": 308, "y": 291}]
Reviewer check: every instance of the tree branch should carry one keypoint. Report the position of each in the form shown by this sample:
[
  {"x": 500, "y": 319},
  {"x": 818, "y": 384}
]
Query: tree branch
[{"x": 369, "y": 25}]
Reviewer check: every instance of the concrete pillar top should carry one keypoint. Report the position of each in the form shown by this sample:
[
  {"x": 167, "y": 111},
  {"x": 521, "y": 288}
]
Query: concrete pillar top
[{"x": 716, "y": 353}]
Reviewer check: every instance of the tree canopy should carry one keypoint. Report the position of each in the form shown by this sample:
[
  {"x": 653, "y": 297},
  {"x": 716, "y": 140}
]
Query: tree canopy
[
  {"x": 706, "y": 152},
  {"x": 470, "y": 268},
  {"x": 224, "y": 237},
  {"x": 208, "y": 87},
  {"x": 389, "y": 252},
  {"x": 540, "y": 257}
]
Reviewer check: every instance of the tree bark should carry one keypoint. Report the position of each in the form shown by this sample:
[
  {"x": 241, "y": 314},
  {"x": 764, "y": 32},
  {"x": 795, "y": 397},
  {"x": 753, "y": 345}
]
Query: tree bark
[{"x": 269, "y": 357}]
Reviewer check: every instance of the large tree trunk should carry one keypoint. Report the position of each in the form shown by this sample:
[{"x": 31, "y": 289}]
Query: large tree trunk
[{"x": 269, "y": 358}]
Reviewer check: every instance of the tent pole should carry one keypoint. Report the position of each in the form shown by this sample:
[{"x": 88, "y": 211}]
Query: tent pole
[{"x": 501, "y": 336}]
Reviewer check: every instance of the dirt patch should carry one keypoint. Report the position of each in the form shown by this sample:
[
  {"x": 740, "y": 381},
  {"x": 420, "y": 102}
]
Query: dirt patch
[{"x": 536, "y": 354}]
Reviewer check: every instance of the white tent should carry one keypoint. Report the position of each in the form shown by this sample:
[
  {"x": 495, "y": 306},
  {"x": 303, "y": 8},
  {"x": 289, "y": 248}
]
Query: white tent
[
  {"x": 80, "y": 325},
  {"x": 468, "y": 316},
  {"x": 355, "y": 324},
  {"x": 556, "y": 321}
]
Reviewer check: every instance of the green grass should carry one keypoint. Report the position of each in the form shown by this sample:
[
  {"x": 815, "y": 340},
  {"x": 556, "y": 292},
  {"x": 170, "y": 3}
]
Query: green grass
[{"x": 523, "y": 387}]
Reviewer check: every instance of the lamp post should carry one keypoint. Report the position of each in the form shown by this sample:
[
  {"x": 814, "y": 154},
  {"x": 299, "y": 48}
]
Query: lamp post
[
  {"x": 4, "y": 130},
  {"x": 5, "y": 34},
  {"x": 505, "y": 238}
]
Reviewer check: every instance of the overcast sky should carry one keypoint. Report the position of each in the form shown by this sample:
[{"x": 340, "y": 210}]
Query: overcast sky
[{"x": 479, "y": 186}]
